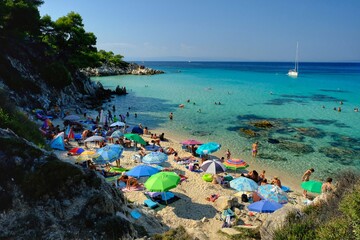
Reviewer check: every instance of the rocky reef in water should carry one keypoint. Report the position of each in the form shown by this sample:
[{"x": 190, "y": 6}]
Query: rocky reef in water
[
  {"x": 112, "y": 70},
  {"x": 42, "y": 197}
]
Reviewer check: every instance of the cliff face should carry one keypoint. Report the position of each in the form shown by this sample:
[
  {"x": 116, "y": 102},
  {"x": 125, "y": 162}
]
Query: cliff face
[
  {"x": 42, "y": 197},
  {"x": 110, "y": 70},
  {"x": 21, "y": 77}
]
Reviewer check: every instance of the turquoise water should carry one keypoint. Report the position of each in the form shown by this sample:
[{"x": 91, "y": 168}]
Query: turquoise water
[{"x": 307, "y": 131}]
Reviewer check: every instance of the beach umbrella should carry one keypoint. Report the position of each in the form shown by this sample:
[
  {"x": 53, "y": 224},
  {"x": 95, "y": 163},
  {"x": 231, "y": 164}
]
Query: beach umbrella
[
  {"x": 264, "y": 206},
  {"x": 244, "y": 184},
  {"x": 108, "y": 154},
  {"x": 86, "y": 155},
  {"x": 72, "y": 117},
  {"x": 94, "y": 139},
  {"x": 135, "y": 138},
  {"x": 273, "y": 193},
  {"x": 312, "y": 186},
  {"x": 76, "y": 151},
  {"x": 142, "y": 171},
  {"x": 162, "y": 181},
  {"x": 213, "y": 166},
  {"x": 117, "y": 134},
  {"x": 152, "y": 147},
  {"x": 155, "y": 158},
  {"x": 207, "y": 148},
  {"x": 191, "y": 142},
  {"x": 117, "y": 124},
  {"x": 137, "y": 130},
  {"x": 235, "y": 164}
]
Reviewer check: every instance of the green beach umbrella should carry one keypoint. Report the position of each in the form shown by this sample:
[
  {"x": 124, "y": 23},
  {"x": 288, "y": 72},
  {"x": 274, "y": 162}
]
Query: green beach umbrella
[
  {"x": 162, "y": 182},
  {"x": 135, "y": 137},
  {"x": 312, "y": 186}
]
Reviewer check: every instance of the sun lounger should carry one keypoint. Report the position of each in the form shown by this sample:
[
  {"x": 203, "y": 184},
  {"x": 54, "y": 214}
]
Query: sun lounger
[{"x": 150, "y": 203}]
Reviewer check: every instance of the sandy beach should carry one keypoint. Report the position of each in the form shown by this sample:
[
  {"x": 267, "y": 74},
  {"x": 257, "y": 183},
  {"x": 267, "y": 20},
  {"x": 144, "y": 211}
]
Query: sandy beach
[{"x": 200, "y": 217}]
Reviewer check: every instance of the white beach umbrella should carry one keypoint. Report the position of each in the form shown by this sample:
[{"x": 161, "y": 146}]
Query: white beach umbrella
[
  {"x": 117, "y": 124},
  {"x": 94, "y": 139}
]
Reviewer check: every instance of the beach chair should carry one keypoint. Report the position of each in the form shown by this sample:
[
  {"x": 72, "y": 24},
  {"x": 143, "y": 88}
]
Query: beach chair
[
  {"x": 135, "y": 214},
  {"x": 150, "y": 203}
]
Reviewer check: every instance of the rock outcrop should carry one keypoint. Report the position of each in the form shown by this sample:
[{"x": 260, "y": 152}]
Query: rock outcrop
[
  {"x": 111, "y": 70},
  {"x": 42, "y": 197}
]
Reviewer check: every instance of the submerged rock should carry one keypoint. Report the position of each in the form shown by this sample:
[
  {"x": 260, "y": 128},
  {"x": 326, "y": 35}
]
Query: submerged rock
[
  {"x": 262, "y": 124},
  {"x": 272, "y": 157},
  {"x": 248, "y": 132},
  {"x": 311, "y": 132},
  {"x": 296, "y": 147}
]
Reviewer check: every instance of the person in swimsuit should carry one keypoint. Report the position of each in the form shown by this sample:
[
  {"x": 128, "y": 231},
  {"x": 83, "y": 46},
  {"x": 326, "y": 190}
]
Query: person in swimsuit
[
  {"x": 327, "y": 189},
  {"x": 255, "y": 149},
  {"x": 306, "y": 177}
]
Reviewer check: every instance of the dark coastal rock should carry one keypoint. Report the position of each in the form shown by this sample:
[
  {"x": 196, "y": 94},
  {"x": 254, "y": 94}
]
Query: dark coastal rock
[
  {"x": 322, "y": 121},
  {"x": 343, "y": 155},
  {"x": 42, "y": 197},
  {"x": 112, "y": 70},
  {"x": 311, "y": 132},
  {"x": 273, "y": 141},
  {"x": 248, "y": 132},
  {"x": 200, "y": 133},
  {"x": 262, "y": 124},
  {"x": 300, "y": 148}
]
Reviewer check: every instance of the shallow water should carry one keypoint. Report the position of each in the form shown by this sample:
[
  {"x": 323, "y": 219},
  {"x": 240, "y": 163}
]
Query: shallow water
[{"x": 306, "y": 132}]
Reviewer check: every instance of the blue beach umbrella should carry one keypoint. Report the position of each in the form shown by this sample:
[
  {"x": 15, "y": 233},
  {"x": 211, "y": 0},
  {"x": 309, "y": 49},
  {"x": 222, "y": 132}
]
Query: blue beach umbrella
[
  {"x": 155, "y": 158},
  {"x": 207, "y": 148},
  {"x": 244, "y": 184},
  {"x": 117, "y": 134},
  {"x": 108, "y": 154},
  {"x": 272, "y": 193},
  {"x": 142, "y": 171},
  {"x": 264, "y": 206}
]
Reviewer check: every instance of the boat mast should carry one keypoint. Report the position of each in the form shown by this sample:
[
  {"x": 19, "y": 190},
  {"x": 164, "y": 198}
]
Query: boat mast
[{"x": 296, "y": 59}]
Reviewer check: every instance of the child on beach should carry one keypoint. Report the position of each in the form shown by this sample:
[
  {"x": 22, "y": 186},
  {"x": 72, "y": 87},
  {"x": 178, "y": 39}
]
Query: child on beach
[{"x": 255, "y": 149}]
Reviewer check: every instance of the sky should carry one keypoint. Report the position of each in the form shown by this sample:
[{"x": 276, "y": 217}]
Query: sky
[{"x": 220, "y": 30}]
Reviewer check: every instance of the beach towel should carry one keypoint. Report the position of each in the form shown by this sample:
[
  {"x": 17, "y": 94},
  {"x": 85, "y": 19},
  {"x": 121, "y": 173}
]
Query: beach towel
[
  {"x": 135, "y": 214},
  {"x": 133, "y": 188},
  {"x": 150, "y": 203}
]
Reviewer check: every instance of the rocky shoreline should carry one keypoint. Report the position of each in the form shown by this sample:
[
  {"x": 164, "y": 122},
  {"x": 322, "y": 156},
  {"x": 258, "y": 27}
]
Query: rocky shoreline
[{"x": 112, "y": 70}]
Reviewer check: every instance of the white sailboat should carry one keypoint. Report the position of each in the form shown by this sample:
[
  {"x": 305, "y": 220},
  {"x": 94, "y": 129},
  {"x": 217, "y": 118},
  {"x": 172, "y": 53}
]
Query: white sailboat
[{"x": 294, "y": 72}]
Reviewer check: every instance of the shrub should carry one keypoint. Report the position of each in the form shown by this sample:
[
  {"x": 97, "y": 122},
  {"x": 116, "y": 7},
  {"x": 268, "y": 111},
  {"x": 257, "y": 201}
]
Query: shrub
[
  {"x": 18, "y": 122},
  {"x": 56, "y": 75},
  {"x": 334, "y": 229},
  {"x": 178, "y": 233}
]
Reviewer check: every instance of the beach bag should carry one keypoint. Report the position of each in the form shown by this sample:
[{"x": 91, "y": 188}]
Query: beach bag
[{"x": 244, "y": 198}]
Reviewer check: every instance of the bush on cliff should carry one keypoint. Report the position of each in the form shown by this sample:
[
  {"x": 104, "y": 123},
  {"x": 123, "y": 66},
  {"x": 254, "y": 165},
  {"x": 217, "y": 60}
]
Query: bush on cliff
[
  {"x": 338, "y": 218},
  {"x": 57, "y": 75},
  {"x": 18, "y": 122}
]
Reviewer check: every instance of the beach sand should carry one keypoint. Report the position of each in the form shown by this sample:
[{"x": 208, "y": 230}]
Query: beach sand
[{"x": 199, "y": 216}]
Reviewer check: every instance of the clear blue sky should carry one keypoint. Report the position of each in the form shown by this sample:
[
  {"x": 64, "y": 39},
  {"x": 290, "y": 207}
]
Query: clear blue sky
[{"x": 234, "y": 30}]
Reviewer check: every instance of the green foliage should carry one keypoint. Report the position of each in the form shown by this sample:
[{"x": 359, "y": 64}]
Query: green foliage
[
  {"x": 19, "y": 18},
  {"x": 334, "y": 229},
  {"x": 111, "y": 58},
  {"x": 338, "y": 218},
  {"x": 57, "y": 75},
  {"x": 350, "y": 206},
  {"x": 178, "y": 233},
  {"x": 18, "y": 122}
]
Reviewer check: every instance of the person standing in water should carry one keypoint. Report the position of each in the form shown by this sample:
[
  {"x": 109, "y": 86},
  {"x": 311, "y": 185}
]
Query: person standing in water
[
  {"x": 171, "y": 116},
  {"x": 255, "y": 149}
]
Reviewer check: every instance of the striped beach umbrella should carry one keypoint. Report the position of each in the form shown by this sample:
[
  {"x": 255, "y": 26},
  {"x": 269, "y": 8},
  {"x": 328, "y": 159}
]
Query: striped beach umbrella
[
  {"x": 213, "y": 166},
  {"x": 235, "y": 164}
]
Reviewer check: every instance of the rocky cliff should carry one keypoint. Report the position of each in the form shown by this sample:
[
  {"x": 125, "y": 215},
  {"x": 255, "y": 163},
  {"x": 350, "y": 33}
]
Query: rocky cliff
[
  {"x": 42, "y": 197},
  {"x": 109, "y": 70}
]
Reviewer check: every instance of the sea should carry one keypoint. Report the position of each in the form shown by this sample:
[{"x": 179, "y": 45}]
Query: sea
[{"x": 300, "y": 123}]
